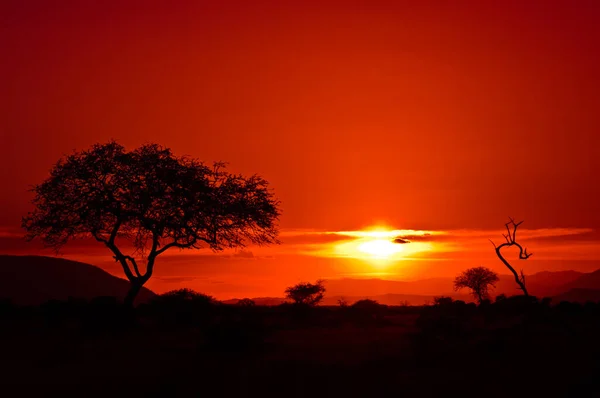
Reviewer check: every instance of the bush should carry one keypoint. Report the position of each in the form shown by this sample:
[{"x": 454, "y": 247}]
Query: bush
[
  {"x": 368, "y": 304},
  {"x": 342, "y": 302},
  {"x": 442, "y": 301},
  {"x": 246, "y": 302},
  {"x": 182, "y": 307}
]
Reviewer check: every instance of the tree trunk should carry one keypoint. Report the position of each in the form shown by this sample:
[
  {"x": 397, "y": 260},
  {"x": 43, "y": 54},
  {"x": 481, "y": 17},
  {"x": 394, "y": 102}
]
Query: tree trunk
[
  {"x": 479, "y": 297},
  {"x": 134, "y": 289},
  {"x": 520, "y": 282}
]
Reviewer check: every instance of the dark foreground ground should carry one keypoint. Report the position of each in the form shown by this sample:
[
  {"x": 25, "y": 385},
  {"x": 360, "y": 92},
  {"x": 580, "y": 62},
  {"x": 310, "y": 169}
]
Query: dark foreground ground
[{"x": 510, "y": 348}]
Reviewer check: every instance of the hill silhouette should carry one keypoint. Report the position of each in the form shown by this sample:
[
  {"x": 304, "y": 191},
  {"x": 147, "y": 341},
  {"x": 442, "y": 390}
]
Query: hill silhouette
[
  {"x": 32, "y": 280},
  {"x": 584, "y": 288},
  {"x": 589, "y": 280},
  {"x": 540, "y": 284},
  {"x": 578, "y": 295}
]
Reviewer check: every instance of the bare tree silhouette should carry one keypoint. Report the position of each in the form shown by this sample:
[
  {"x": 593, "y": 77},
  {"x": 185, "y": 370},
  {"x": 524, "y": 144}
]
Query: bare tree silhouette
[
  {"x": 511, "y": 240},
  {"x": 149, "y": 200}
]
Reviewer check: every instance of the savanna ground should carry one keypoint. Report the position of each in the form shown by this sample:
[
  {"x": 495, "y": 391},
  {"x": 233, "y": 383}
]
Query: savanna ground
[{"x": 513, "y": 347}]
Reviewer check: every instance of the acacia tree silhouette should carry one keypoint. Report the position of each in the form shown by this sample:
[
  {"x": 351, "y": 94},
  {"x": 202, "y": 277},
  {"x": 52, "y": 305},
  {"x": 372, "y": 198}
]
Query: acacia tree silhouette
[
  {"x": 305, "y": 293},
  {"x": 478, "y": 279},
  {"x": 511, "y": 240},
  {"x": 149, "y": 201}
]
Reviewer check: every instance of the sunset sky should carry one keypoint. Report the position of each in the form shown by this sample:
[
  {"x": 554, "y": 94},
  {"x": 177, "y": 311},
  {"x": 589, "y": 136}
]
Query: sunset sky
[{"x": 431, "y": 120}]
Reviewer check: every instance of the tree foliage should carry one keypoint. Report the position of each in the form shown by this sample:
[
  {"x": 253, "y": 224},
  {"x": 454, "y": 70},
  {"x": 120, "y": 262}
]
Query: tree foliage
[
  {"x": 479, "y": 280},
  {"x": 148, "y": 200},
  {"x": 306, "y": 293}
]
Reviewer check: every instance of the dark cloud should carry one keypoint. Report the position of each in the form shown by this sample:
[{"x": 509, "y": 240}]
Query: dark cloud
[
  {"x": 401, "y": 241},
  {"x": 420, "y": 238}
]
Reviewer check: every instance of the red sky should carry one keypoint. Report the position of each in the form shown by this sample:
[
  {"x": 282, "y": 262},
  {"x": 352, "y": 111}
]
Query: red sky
[{"x": 414, "y": 115}]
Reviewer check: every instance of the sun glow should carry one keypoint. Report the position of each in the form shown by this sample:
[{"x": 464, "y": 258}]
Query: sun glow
[{"x": 379, "y": 248}]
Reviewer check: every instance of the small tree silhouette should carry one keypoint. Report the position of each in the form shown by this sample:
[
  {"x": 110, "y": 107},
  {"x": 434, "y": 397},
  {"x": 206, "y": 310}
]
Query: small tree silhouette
[
  {"x": 511, "y": 240},
  {"x": 151, "y": 200},
  {"x": 246, "y": 302},
  {"x": 479, "y": 280},
  {"x": 342, "y": 302},
  {"x": 306, "y": 293}
]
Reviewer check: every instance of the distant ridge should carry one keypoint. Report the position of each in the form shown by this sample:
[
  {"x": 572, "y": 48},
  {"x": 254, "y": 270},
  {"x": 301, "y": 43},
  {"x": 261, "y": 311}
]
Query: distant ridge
[
  {"x": 584, "y": 288},
  {"x": 542, "y": 284},
  {"x": 578, "y": 295},
  {"x": 580, "y": 287},
  {"x": 32, "y": 280}
]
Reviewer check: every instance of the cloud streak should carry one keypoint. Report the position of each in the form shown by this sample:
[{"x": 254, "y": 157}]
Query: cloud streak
[{"x": 423, "y": 244}]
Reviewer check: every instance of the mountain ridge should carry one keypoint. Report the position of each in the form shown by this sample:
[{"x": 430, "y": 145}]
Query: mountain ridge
[{"x": 24, "y": 280}]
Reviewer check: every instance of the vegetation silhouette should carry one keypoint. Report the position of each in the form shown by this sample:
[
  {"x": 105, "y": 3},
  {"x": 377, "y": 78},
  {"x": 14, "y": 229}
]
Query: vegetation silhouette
[
  {"x": 305, "y": 293},
  {"x": 511, "y": 240},
  {"x": 198, "y": 345},
  {"x": 182, "y": 307},
  {"x": 152, "y": 200},
  {"x": 479, "y": 280},
  {"x": 368, "y": 304},
  {"x": 246, "y": 302},
  {"x": 342, "y": 302},
  {"x": 362, "y": 349}
]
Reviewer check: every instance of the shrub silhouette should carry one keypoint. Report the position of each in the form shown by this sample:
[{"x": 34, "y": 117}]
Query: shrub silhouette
[
  {"x": 185, "y": 295},
  {"x": 479, "y": 280},
  {"x": 305, "y": 293},
  {"x": 183, "y": 306},
  {"x": 442, "y": 301},
  {"x": 500, "y": 297},
  {"x": 368, "y": 304},
  {"x": 342, "y": 302},
  {"x": 367, "y": 310},
  {"x": 246, "y": 302},
  {"x": 152, "y": 199}
]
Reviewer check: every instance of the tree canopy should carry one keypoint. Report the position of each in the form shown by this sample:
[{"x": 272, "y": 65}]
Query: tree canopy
[
  {"x": 479, "y": 280},
  {"x": 305, "y": 293},
  {"x": 149, "y": 200}
]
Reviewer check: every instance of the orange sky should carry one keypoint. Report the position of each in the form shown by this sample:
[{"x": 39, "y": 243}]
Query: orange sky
[{"x": 414, "y": 115}]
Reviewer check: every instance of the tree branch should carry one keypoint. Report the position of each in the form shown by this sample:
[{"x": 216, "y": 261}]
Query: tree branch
[
  {"x": 123, "y": 260},
  {"x": 175, "y": 243},
  {"x": 113, "y": 234},
  {"x": 523, "y": 255},
  {"x": 135, "y": 266}
]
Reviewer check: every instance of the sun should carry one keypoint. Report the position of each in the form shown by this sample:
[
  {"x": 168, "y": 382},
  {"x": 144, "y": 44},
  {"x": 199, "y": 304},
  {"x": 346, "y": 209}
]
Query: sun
[{"x": 380, "y": 248}]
